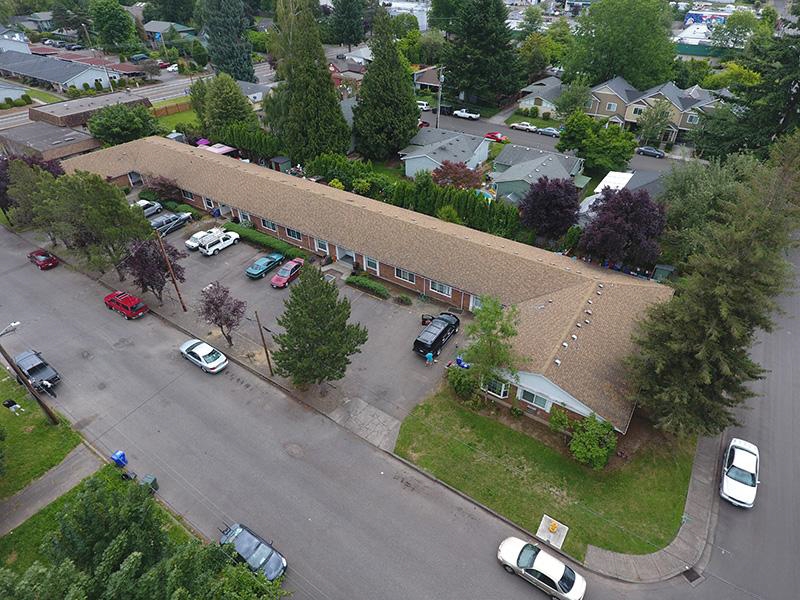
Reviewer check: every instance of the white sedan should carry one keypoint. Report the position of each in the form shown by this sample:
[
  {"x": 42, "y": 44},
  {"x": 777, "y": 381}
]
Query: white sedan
[
  {"x": 525, "y": 126},
  {"x": 541, "y": 569},
  {"x": 173, "y": 68},
  {"x": 465, "y": 113},
  {"x": 204, "y": 356},
  {"x": 740, "y": 473}
]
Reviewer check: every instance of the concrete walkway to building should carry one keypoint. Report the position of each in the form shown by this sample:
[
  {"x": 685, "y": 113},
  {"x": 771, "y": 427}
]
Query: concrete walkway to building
[
  {"x": 500, "y": 118},
  {"x": 76, "y": 466}
]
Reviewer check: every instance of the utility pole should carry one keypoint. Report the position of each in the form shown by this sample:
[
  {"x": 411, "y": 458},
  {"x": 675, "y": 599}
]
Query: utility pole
[
  {"x": 439, "y": 101},
  {"x": 264, "y": 342},
  {"x": 171, "y": 272},
  {"x": 32, "y": 390}
]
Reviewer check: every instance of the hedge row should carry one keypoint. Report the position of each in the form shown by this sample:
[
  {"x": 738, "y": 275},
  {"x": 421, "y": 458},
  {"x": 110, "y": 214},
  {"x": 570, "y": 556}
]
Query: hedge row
[
  {"x": 266, "y": 241},
  {"x": 368, "y": 285},
  {"x": 175, "y": 207}
]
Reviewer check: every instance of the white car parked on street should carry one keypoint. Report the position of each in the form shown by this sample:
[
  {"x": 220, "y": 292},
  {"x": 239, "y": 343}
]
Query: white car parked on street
[
  {"x": 208, "y": 358},
  {"x": 541, "y": 569},
  {"x": 740, "y": 473},
  {"x": 465, "y": 113},
  {"x": 525, "y": 126}
]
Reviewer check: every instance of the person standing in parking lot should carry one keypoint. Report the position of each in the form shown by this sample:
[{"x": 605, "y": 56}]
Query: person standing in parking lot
[{"x": 429, "y": 359}]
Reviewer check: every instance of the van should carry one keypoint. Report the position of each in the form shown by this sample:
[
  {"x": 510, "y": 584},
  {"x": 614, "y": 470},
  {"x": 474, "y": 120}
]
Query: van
[
  {"x": 422, "y": 105},
  {"x": 214, "y": 242},
  {"x": 436, "y": 334},
  {"x": 137, "y": 58}
]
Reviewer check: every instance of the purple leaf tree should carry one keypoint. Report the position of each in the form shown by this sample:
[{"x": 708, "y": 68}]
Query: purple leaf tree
[
  {"x": 626, "y": 227},
  {"x": 218, "y": 307},
  {"x": 550, "y": 207},
  {"x": 146, "y": 266}
]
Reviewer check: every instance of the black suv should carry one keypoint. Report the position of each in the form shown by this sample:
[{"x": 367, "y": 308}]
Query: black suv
[
  {"x": 165, "y": 224},
  {"x": 36, "y": 369},
  {"x": 435, "y": 335}
]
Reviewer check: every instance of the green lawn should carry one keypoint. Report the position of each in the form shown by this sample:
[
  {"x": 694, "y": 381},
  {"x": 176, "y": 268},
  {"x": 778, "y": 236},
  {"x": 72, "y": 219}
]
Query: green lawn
[
  {"x": 635, "y": 508},
  {"x": 170, "y": 101},
  {"x": 47, "y": 97},
  {"x": 187, "y": 116},
  {"x": 20, "y": 548},
  {"x": 516, "y": 118},
  {"x": 396, "y": 172},
  {"x": 33, "y": 445}
]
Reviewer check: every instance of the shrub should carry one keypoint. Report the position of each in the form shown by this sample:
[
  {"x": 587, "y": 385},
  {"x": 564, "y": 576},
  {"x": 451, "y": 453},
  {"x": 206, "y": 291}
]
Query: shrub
[
  {"x": 534, "y": 111},
  {"x": 559, "y": 421},
  {"x": 148, "y": 195},
  {"x": 368, "y": 285},
  {"x": 20, "y": 102},
  {"x": 546, "y": 115},
  {"x": 335, "y": 183},
  {"x": 403, "y": 299},
  {"x": 592, "y": 442},
  {"x": 266, "y": 241},
  {"x": 463, "y": 382},
  {"x": 27, "y": 99},
  {"x": 4, "y": 106},
  {"x": 196, "y": 214},
  {"x": 168, "y": 204},
  {"x": 126, "y": 190},
  {"x": 8, "y": 100},
  {"x": 668, "y": 147},
  {"x": 86, "y": 86},
  {"x": 98, "y": 85},
  {"x": 516, "y": 411},
  {"x": 361, "y": 186}
]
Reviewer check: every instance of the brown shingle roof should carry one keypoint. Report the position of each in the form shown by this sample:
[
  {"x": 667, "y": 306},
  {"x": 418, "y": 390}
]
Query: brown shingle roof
[{"x": 463, "y": 258}]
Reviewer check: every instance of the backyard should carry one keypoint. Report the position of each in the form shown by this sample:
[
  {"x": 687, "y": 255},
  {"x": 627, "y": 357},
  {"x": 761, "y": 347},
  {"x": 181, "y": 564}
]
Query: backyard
[
  {"x": 633, "y": 506},
  {"x": 170, "y": 121}
]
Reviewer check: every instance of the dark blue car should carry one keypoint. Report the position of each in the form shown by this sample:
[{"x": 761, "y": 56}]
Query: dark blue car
[{"x": 264, "y": 265}]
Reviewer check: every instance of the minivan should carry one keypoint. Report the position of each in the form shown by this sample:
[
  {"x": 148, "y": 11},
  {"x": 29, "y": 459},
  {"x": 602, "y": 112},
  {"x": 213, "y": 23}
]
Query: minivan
[
  {"x": 137, "y": 58},
  {"x": 422, "y": 105},
  {"x": 435, "y": 335}
]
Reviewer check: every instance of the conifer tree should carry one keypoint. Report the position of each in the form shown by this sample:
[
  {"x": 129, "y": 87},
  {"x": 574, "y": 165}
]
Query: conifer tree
[{"x": 228, "y": 46}]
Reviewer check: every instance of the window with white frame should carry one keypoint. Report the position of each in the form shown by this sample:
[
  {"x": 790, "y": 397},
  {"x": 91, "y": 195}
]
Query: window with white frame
[
  {"x": 692, "y": 119},
  {"x": 405, "y": 275},
  {"x": 371, "y": 264},
  {"x": 321, "y": 246},
  {"x": 295, "y": 235},
  {"x": 474, "y": 303},
  {"x": 208, "y": 203},
  {"x": 589, "y": 103},
  {"x": 442, "y": 289},
  {"x": 637, "y": 110},
  {"x": 268, "y": 225},
  {"x": 535, "y": 400},
  {"x": 243, "y": 216},
  {"x": 496, "y": 388},
  {"x": 187, "y": 194},
  {"x": 611, "y": 106}
]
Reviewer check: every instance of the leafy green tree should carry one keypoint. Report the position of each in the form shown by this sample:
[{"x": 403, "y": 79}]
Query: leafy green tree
[
  {"x": 347, "y": 21},
  {"x": 443, "y": 13},
  {"x": 535, "y": 54},
  {"x": 733, "y": 75},
  {"x": 63, "y": 580},
  {"x": 308, "y": 117},
  {"x": 120, "y": 123},
  {"x": 28, "y": 185},
  {"x": 113, "y": 24},
  {"x": 593, "y": 441},
  {"x": 608, "y": 31},
  {"x": 71, "y": 14},
  {"x": 532, "y": 20},
  {"x": 736, "y": 30},
  {"x": 561, "y": 39},
  {"x": 482, "y": 61},
  {"x": 226, "y": 104},
  {"x": 404, "y": 23},
  {"x": 199, "y": 53},
  {"x": 491, "y": 336},
  {"x": 691, "y": 72},
  {"x": 602, "y": 147},
  {"x": 463, "y": 382},
  {"x": 654, "y": 120},
  {"x": 318, "y": 341},
  {"x": 574, "y": 97},
  {"x": 228, "y": 47},
  {"x": 175, "y": 11},
  {"x": 385, "y": 118},
  {"x": 197, "y": 98}
]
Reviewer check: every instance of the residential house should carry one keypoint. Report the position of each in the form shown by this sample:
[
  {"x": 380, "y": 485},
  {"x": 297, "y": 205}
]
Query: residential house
[
  {"x": 621, "y": 103},
  {"x": 38, "y": 21},
  {"x": 649, "y": 181},
  {"x": 360, "y": 55},
  {"x": 59, "y": 74},
  {"x": 255, "y": 92},
  {"x": 517, "y": 168},
  {"x": 158, "y": 31},
  {"x": 542, "y": 94},
  {"x": 575, "y": 319},
  {"x": 347, "y": 74},
  {"x": 46, "y": 141},
  {"x": 427, "y": 78},
  {"x": 11, "y": 34},
  {"x": 15, "y": 45},
  {"x": 431, "y": 147},
  {"x": 77, "y": 112}
]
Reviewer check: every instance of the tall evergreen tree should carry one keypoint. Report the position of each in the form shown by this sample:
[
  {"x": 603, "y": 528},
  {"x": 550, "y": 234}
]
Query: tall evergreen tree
[
  {"x": 347, "y": 21},
  {"x": 442, "y": 14},
  {"x": 225, "y": 104},
  {"x": 175, "y": 11},
  {"x": 318, "y": 341},
  {"x": 482, "y": 60},
  {"x": 113, "y": 24},
  {"x": 228, "y": 47},
  {"x": 385, "y": 118},
  {"x": 309, "y": 116}
]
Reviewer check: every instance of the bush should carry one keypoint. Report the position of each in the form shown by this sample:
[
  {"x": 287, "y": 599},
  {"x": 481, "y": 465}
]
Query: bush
[
  {"x": 335, "y": 183},
  {"x": 546, "y": 115},
  {"x": 516, "y": 411},
  {"x": 368, "y": 285},
  {"x": 86, "y": 86},
  {"x": 668, "y": 147},
  {"x": 403, "y": 299},
  {"x": 266, "y": 241},
  {"x": 463, "y": 382},
  {"x": 4, "y": 106},
  {"x": 534, "y": 112},
  {"x": 149, "y": 195},
  {"x": 20, "y": 102},
  {"x": 196, "y": 214},
  {"x": 168, "y": 204},
  {"x": 98, "y": 85},
  {"x": 27, "y": 99},
  {"x": 361, "y": 186},
  {"x": 592, "y": 442},
  {"x": 8, "y": 100},
  {"x": 559, "y": 421}
]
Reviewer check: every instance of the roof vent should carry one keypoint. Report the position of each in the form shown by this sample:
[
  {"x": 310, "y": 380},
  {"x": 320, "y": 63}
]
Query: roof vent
[
  {"x": 550, "y": 300},
  {"x": 588, "y": 311},
  {"x": 587, "y": 321},
  {"x": 565, "y": 344},
  {"x": 578, "y": 325},
  {"x": 574, "y": 337},
  {"x": 599, "y": 293},
  {"x": 589, "y": 301},
  {"x": 600, "y": 285},
  {"x": 558, "y": 362}
]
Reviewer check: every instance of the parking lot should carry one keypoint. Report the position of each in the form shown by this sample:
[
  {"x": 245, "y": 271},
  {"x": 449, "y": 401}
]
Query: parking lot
[{"x": 386, "y": 375}]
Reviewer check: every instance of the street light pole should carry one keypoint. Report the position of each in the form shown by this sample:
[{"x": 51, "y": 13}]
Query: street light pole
[
  {"x": 439, "y": 101},
  {"x": 264, "y": 342}
]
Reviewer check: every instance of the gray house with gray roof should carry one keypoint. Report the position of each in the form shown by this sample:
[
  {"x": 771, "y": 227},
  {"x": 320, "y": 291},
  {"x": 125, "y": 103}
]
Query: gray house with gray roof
[
  {"x": 60, "y": 74},
  {"x": 516, "y": 168},
  {"x": 542, "y": 94},
  {"x": 431, "y": 147}
]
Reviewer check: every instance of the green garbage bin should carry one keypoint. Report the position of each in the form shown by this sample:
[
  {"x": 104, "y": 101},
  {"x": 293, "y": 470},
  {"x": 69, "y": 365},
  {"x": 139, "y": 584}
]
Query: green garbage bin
[{"x": 150, "y": 481}]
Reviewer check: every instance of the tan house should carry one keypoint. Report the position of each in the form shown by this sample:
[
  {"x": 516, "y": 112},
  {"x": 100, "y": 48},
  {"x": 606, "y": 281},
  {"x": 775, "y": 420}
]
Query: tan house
[
  {"x": 621, "y": 103},
  {"x": 576, "y": 319}
]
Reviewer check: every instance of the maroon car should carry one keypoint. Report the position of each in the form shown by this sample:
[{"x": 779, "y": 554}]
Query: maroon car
[
  {"x": 43, "y": 259},
  {"x": 287, "y": 273}
]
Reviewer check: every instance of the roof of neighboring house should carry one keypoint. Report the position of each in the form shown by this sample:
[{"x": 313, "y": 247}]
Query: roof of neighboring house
[
  {"x": 90, "y": 103},
  {"x": 647, "y": 180},
  {"x": 41, "y": 16},
  {"x": 621, "y": 88},
  {"x": 364, "y": 53},
  {"x": 10, "y": 86},
  {"x": 441, "y": 145},
  {"x": 136, "y": 10},
  {"x": 552, "y": 291},
  {"x": 552, "y": 166},
  {"x": 43, "y": 137},
  {"x": 548, "y": 88},
  {"x": 345, "y": 66},
  {"x": 41, "y": 67},
  {"x": 126, "y": 68},
  {"x": 163, "y": 27},
  {"x": 428, "y": 76},
  {"x": 248, "y": 87}
]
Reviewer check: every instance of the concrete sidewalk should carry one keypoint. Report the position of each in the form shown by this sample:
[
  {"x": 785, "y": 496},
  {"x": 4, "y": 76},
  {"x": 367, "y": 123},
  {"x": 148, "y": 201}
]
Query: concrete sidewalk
[
  {"x": 76, "y": 466},
  {"x": 685, "y": 551},
  {"x": 500, "y": 118}
]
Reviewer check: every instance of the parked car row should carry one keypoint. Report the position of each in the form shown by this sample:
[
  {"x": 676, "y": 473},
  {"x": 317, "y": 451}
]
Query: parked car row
[
  {"x": 525, "y": 126},
  {"x": 62, "y": 44}
]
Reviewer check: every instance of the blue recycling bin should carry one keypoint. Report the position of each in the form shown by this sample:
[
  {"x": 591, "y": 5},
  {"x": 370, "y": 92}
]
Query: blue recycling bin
[{"x": 119, "y": 458}]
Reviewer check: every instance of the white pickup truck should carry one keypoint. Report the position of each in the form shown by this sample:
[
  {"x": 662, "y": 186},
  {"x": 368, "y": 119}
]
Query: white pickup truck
[{"x": 465, "y": 113}]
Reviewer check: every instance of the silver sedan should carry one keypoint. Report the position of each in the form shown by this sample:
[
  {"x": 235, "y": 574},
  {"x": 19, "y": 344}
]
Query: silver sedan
[{"x": 204, "y": 356}]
